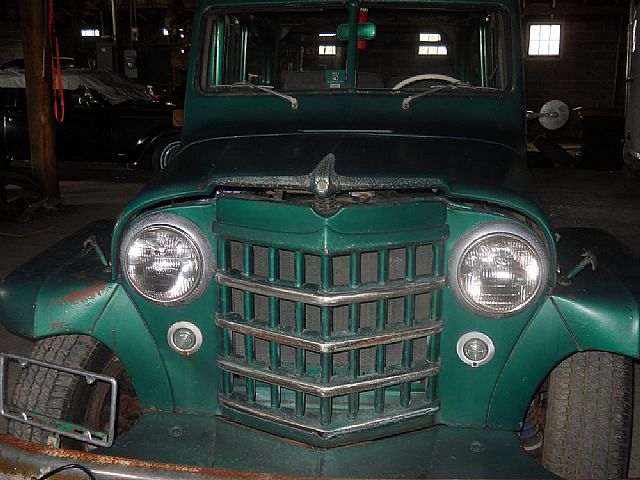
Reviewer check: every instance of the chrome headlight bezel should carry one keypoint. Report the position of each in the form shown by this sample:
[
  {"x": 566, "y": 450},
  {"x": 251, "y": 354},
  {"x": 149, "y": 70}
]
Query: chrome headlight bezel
[
  {"x": 194, "y": 235},
  {"x": 482, "y": 232}
]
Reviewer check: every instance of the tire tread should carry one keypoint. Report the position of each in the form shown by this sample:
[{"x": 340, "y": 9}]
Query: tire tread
[
  {"x": 50, "y": 392},
  {"x": 588, "y": 418}
]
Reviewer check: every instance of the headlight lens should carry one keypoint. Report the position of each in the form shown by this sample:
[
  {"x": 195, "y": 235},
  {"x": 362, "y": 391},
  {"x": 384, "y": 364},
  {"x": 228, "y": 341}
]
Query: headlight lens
[
  {"x": 163, "y": 263},
  {"x": 499, "y": 273}
]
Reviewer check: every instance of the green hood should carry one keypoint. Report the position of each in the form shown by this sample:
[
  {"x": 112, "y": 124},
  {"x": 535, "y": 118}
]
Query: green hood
[{"x": 461, "y": 169}]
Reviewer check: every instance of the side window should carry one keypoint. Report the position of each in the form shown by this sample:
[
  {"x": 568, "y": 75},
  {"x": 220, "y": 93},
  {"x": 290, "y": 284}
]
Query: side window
[
  {"x": 496, "y": 71},
  {"x": 211, "y": 69},
  {"x": 486, "y": 49},
  {"x": 229, "y": 50}
]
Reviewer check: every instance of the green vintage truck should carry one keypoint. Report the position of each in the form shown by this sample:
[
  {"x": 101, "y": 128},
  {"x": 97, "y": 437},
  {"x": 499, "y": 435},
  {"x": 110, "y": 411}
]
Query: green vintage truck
[{"x": 345, "y": 273}]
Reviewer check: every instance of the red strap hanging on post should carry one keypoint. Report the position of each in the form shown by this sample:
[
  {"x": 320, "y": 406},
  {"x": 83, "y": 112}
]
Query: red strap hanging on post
[{"x": 56, "y": 68}]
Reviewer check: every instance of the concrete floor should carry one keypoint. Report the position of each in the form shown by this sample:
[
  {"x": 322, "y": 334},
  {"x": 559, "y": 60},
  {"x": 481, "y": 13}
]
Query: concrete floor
[{"x": 574, "y": 197}]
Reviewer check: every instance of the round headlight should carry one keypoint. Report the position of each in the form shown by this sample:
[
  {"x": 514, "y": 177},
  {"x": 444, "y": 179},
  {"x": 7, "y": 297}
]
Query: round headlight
[
  {"x": 163, "y": 259},
  {"x": 501, "y": 272}
]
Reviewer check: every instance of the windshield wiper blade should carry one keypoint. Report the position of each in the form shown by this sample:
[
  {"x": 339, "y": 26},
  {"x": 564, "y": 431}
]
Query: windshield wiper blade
[
  {"x": 406, "y": 102},
  {"x": 250, "y": 86}
]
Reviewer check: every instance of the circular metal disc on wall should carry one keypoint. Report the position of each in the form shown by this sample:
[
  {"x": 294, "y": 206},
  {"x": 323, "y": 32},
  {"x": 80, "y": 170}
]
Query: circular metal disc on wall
[{"x": 554, "y": 115}]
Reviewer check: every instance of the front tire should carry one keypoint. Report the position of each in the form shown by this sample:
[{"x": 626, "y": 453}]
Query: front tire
[
  {"x": 587, "y": 432},
  {"x": 68, "y": 397}
]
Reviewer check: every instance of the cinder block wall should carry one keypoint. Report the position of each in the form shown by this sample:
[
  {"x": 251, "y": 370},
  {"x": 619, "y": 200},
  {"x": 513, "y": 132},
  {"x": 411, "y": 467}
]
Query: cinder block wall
[
  {"x": 590, "y": 71},
  {"x": 10, "y": 36},
  {"x": 585, "y": 73}
]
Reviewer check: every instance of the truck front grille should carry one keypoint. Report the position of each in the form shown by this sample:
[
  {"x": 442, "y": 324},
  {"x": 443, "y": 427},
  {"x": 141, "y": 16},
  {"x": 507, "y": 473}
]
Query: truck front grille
[{"x": 329, "y": 344}]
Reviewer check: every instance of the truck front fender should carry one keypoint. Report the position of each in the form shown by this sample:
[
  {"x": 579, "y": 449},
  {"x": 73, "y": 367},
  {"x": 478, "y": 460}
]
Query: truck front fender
[
  {"x": 596, "y": 310},
  {"x": 67, "y": 289},
  {"x": 544, "y": 343},
  {"x": 601, "y": 307}
]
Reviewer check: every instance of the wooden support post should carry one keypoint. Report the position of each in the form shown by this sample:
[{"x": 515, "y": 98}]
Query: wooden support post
[{"x": 37, "y": 73}]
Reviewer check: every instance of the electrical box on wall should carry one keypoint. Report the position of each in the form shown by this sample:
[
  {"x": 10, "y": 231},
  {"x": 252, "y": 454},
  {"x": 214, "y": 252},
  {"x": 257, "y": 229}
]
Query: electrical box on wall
[
  {"x": 131, "y": 63},
  {"x": 105, "y": 56}
]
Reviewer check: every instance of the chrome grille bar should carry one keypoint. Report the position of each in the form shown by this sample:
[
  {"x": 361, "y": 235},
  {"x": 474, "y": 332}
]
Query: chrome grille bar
[
  {"x": 322, "y": 389},
  {"x": 337, "y": 343},
  {"x": 363, "y": 423},
  {"x": 335, "y": 297},
  {"x": 329, "y": 343}
]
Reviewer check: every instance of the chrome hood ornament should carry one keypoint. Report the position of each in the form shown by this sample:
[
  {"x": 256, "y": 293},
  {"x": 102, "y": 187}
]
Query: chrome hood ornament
[{"x": 324, "y": 180}]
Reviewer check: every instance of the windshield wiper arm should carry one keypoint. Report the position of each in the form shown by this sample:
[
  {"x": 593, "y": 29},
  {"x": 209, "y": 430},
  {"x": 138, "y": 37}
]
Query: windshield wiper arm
[
  {"x": 406, "y": 102},
  {"x": 292, "y": 100}
]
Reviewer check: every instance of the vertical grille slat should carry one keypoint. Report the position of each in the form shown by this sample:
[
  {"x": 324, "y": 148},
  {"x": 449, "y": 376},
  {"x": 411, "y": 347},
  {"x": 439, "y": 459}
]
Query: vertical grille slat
[
  {"x": 381, "y": 310},
  {"x": 249, "y": 313},
  {"x": 300, "y": 383},
  {"x": 326, "y": 359},
  {"x": 227, "y": 385},
  {"x": 409, "y": 316},
  {"x": 300, "y": 365},
  {"x": 354, "y": 326},
  {"x": 436, "y": 307},
  {"x": 274, "y": 320}
]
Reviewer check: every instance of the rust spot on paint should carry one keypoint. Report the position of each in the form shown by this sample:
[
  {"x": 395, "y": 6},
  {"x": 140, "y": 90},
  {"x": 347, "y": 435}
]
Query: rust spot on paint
[
  {"x": 21, "y": 462},
  {"x": 57, "y": 325},
  {"x": 92, "y": 291}
]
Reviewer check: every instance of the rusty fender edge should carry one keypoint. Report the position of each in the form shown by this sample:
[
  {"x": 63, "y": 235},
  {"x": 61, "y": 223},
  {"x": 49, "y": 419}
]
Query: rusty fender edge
[{"x": 20, "y": 460}]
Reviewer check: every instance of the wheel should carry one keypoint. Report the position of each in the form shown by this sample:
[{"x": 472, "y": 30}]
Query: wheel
[
  {"x": 587, "y": 431},
  {"x": 164, "y": 150},
  {"x": 68, "y": 397},
  {"x": 17, "y": 193},
  {"x": 422, "y": 77}
]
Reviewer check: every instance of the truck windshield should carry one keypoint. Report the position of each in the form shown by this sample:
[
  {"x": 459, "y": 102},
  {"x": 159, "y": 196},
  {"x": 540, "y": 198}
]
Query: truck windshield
[{"x": 372, "y": 46}]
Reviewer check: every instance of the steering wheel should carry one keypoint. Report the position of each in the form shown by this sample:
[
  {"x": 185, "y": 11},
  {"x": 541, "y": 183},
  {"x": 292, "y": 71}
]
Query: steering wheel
[{"x": 424, "y": 76}]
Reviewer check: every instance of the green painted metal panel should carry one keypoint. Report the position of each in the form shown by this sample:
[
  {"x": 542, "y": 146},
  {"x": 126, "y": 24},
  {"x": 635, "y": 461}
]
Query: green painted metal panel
[
  {"x": 72, "y": 293},
  {"x": 466, "y": 392},
  {"x": 602, "y": 307},
  {"x": 282, "y": 225},
  {"x": 73, "y": 298},
  {"x": 545, "y": 342},
  {"x": 463, "y": 170},
  {"x": 598, "y": 311},
  {"x": 121, "y": 328},
  {"x": 439, "y": 452},
  {"x": 194, "y": 379},
  {"x": 83, "y": 289}
]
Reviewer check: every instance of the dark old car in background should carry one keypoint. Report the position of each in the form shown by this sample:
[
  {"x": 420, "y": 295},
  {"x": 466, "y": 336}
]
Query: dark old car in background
[{"x": 107, "y": 119}]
